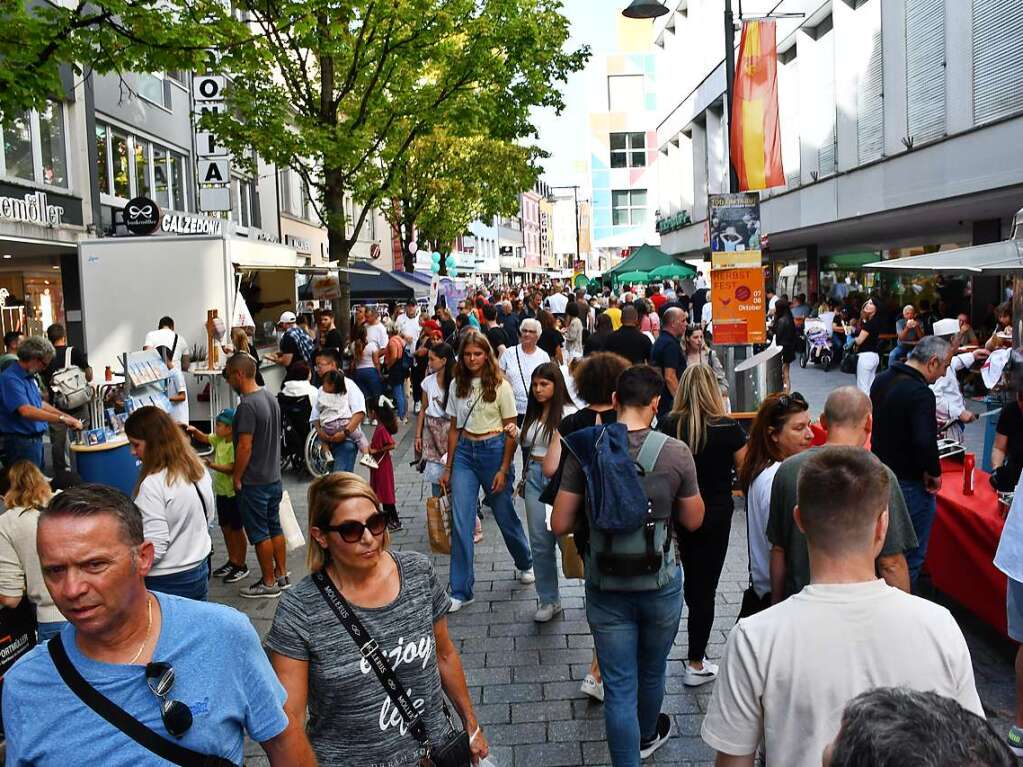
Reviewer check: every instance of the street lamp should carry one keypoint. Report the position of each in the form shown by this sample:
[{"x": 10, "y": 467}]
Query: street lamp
[
  {"x": 575, "y": 198},
  {"x": 644, "y": 9}
]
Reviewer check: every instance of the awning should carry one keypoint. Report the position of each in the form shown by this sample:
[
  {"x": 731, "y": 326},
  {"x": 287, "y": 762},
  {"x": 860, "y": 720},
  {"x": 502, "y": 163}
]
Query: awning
[
  {"x": 412, "y": 280},
  {"x": 368, "y": 283},
  {"x": 841, "y": 261},
  {"x": 993, "y": 258},
  {"x": 644, "y": 259}
]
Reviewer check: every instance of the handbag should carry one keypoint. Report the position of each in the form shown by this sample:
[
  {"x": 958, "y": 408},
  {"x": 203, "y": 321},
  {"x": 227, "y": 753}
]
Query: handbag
[
  {"x": 571, "y": 561},
  {"x": 438, "y": 524},
  {"x": 293, "y": 537},
  {"x": 452, "y": 751},
  {"x": 849, "y": 362}
]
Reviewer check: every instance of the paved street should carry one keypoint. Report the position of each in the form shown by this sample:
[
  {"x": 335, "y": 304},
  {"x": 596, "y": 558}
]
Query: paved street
[{"x": 524, "y": 677}]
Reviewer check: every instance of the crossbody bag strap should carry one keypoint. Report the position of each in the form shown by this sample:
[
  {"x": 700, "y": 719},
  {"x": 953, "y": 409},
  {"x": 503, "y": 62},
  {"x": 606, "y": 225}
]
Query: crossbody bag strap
[
  {"x": 205, "y": 510},
  {"x": 518, "y": 361},
  {"x": 370, "y": 651},
  {"x": 174, "y": 346},
  {"x": 122, "y": 720},
  {"x": 67, "y": 357},
  {"x": 472, "y": 407}
]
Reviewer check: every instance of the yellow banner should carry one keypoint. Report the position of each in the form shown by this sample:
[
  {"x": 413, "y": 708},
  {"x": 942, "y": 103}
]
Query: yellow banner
[{"x": 735, "y": 259}]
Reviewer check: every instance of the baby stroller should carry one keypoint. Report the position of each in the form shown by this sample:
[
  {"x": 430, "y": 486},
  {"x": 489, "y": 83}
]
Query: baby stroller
[
  {"x": 816, "y": 344},
  {"x": 295, "y": 430}
]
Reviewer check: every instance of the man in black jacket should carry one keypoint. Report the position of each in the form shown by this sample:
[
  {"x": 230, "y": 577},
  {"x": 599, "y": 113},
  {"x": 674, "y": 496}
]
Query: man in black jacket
[
  {"x": 629, "y": 341},
  {"x": 905, "y": 435}
]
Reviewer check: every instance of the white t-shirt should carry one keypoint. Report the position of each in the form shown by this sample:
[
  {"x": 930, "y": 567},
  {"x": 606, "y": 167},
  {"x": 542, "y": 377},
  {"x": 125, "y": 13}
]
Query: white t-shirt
[
  {"x": 165, "y": 337},
  {"x": 300, "y": 389},
  {"x": 174, "y": 520},
  {"x": 366, "y": 360},
  {"x": 556, "y": 303},
  {"x": 377, "y": 332},
  {"x": 788, "y": 672},
  {"x": 518, "y": 368},
  {"x": 435, "y": 396},
  {"x": 408, "y": 327},
  {"x": 175, "y": 386},
  {"x": 758, "y": 511},
  {"x": 332, "y": 406},
  {"x": 356, "y": 401},
  {"x": 705, "y": 315}
]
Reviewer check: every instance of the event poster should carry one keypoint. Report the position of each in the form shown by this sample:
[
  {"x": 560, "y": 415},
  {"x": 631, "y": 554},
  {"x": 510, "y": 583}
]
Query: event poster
[
  {"x": 737, "y": 278},
  {"x": 734, "y": 230}
]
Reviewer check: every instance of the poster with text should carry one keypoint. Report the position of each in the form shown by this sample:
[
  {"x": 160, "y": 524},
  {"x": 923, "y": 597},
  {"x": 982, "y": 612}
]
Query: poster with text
[
  {"x": 734, "y": 230},
  {"x": 737, "y": 306}
]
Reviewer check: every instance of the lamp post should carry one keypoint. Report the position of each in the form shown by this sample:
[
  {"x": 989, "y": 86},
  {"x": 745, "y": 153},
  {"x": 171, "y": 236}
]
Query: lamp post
[{"x": 575, "y": 199}]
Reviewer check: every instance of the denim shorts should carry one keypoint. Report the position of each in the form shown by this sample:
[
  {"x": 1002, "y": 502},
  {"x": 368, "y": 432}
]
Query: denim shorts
[
  {"x": 260, "y": 507},
  {"x": 1014, "y": 609},
  {"x": 228, "y": 513}
]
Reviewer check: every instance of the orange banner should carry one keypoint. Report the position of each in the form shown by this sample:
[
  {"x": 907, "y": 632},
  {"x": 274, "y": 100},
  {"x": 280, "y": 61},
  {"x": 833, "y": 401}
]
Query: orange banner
[
  {"x": 755, "y": 140},
  {"x": 737, "y": 307}
]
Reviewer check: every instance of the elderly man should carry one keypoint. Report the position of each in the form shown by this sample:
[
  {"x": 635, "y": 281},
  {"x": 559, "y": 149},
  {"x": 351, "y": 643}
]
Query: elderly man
[
  {"x": 23, "y": 414},
  {"x": 909, "y": 332},
  {"x": 518, "y": 363},
  {"x": 510, "y": 322},
  {"x": 375, "y": 330},
  {"x": 847, "y": 419},
  {"x": 788, "y": 671},
  {"x": 181, "y": 678}
]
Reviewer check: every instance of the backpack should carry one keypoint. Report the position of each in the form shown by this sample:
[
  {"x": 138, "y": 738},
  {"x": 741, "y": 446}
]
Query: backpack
[
  {"x": 69, "y": 386},
  {"x": 626, "y": 533}
]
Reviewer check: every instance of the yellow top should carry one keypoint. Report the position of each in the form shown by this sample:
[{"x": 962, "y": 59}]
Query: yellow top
[
  {"x": 616, "y": 316},
  {"x": 476, "y": 415}
]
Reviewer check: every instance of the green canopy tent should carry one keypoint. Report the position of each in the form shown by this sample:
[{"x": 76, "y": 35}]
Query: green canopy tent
[
  {"x": 674, "y": 271},
  {"x": 635, "y": 276},
  {"x": 645, "y": 259}
]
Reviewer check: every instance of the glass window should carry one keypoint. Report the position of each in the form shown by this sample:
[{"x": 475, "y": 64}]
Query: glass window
[
  {"x": 18, "y": 148},
  {"x": 628, "y": 150},
  {"x": 285, "y": 186},
  {"x": 143, "y": 186},
  {"x": 161, "y": 181},
  {"x": 177, "y": 174},
  {"x": 628, "y": 207},
  {"x": 151, "y": 87},
  {"x": 102, "y": 171},
  {"x": 305, "y": 204},
  {"x": 51, "y": 138},
  {"x": 119, "y": 155},
  {"x": 246, "y": 202}
]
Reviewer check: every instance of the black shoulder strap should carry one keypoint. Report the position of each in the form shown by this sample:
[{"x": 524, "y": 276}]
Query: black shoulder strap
[
  {"x": 122, "y": 720},
  {"x": 370, "y": 651},
  {"x": 175, "y": 346}
]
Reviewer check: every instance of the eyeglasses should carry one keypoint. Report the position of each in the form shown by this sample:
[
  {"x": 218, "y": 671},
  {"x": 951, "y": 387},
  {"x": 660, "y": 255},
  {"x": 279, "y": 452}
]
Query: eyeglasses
[
  {"x": 786, "y": 401},
  {"x": 351, "y": 531},
  {"x": 177, "y": 717}
]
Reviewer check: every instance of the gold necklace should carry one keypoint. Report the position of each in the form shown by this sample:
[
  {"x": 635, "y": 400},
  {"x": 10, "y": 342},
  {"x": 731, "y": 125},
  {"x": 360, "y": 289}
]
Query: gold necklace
[{"x": 149, "y": 625}]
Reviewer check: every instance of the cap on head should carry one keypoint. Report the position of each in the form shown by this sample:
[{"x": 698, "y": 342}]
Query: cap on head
[
  {"x": 946, "y": 327},
  {"x": 226, "y": 416},
  {"x": 287, "y": 318}
]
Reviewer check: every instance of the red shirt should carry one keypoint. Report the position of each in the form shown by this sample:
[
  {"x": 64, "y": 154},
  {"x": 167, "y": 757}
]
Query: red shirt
[{"x": 658, "y": 300}]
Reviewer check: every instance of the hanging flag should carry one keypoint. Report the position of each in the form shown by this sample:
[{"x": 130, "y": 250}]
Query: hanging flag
[{"x": 756, "y": 133}]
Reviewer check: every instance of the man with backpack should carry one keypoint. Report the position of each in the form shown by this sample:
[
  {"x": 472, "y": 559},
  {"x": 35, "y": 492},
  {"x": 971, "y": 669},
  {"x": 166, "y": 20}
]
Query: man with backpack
[
  {"x": 67, "y": 379},
  {"x": 623, "y": 488}
]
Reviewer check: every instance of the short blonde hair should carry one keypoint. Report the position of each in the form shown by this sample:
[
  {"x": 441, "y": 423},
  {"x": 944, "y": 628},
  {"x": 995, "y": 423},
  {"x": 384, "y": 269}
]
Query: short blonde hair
[{"x": 324, "y": 496}]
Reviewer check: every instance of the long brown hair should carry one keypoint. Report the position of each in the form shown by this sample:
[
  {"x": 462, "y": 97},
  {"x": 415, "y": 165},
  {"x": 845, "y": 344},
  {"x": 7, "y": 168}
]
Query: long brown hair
[
  {"x": 28, "y": 487},
  {"x": 490, "y": 376},
  {"x": 166, "y": 447},
  {"x": 771, "y": 417},
  {"x": 548, "y": 413},
  {"x": 360, "y": 340}
]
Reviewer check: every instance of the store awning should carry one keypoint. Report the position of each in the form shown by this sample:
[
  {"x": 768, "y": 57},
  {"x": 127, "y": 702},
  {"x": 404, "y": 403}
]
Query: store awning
[
  {"x": 412, "y": 280},
  {"x": 993, "y": 258},
  {"x": 848, "y": 261},
  {"x": 368, "y": 283}
]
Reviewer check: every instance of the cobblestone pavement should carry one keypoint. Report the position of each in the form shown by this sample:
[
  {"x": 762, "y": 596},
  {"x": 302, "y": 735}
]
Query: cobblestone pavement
[{"x": 524, "y": 677}]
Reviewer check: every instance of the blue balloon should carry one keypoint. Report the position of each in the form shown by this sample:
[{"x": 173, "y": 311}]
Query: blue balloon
[
  {"x": 452, "y": 262},
  {"x": 436, "y": 257},
  {"x": 435, "y": 267}
]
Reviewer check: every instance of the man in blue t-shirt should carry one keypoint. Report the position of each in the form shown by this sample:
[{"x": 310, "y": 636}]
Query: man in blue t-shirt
[
  {"x": 127, "y": 642},
  {"x": 667, "y": 356}
]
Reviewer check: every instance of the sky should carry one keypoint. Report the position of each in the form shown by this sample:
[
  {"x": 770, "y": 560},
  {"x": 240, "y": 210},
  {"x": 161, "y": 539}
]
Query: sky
[{"x": 566, "y": 136}]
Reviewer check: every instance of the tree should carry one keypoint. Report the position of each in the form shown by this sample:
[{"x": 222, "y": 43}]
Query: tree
[
  {"x": 340, "y": 92},
  {"x": 448, "y": 181}
]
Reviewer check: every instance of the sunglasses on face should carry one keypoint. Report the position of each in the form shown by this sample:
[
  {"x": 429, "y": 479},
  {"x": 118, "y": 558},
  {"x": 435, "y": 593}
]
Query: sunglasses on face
[
  {"x": 177, "y": 717},
  {"x": 352, "y": 531}
]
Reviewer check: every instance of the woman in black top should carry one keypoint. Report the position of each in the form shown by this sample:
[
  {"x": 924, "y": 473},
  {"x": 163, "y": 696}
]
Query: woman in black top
[
  {"x": 718, "y": 445},
  {"x": 867, "y": 342},
  {"x": 551, "y": 340},
  {"x": 786, "y": 337},
  {"x": 598, "y": 338}
]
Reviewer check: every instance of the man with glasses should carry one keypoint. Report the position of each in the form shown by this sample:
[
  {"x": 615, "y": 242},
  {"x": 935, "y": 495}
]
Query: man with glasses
[{"x": 182, "y": 674}]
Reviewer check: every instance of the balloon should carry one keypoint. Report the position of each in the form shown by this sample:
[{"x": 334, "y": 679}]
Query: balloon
[
  {"x": 435, "y": 267},
  {"x": 413, "y": 247},
  {"x": 436, "y": 256},
  {"x": 452, "y": 262}
]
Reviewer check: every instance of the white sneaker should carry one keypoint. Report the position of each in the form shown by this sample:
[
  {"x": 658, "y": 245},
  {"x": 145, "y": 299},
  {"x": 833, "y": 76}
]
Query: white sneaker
[
  {"x": 458, "y": 604},
  {"x": 664, "y": 728},
  {"x": 544, "y": 613},
  {"x": 525, "y": 576},
  {"x": 593, "y": 688},
  {"x": 692, "y": 677},
  {"x": 369, "y": 461}
]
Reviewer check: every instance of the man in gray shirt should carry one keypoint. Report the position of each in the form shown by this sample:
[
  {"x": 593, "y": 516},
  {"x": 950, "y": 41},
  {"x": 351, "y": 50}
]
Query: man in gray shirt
[{"x": 257, "y": 475}]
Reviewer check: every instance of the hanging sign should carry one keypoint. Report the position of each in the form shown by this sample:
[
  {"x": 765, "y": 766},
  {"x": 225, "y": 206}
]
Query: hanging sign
[
  {"x": 734, "y": 230},
  {"x": 141, "y": 216},
  {"x": 737, "y": 279},
  {"x": 213, "y": 159}
]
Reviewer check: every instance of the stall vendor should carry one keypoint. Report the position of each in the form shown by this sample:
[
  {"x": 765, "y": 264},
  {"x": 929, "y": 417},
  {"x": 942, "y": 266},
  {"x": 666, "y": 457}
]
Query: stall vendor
[{"x": 950, "y": 407}]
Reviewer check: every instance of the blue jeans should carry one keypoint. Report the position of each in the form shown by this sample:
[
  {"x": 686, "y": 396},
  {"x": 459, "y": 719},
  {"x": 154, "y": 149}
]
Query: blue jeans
[
  {"x": 370, "y": 384},
  {"x": 632, "y": 633},
  {"x": 46, "y": 631},
  {"x": 344, "y": 455},
  {"x": 398, "y": 390},
  {"x": 193, "y": 584},
  {"x": 260, "y": 506},
  {"x": 922, "y": 508},
  {"x": 17, "y": 448},
  {"x": 475, "y": 464},
  {"x": 898, "y": 354},
  {"x": 542, "y": 542}
]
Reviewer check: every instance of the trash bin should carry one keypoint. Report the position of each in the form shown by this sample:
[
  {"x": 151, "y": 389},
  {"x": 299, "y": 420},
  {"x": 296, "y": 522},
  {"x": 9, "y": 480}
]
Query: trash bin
[{"x": 756, "y": 378}]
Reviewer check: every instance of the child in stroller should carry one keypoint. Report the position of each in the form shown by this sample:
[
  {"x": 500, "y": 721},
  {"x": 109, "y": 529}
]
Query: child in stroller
[{"x": 817, "y": 340}]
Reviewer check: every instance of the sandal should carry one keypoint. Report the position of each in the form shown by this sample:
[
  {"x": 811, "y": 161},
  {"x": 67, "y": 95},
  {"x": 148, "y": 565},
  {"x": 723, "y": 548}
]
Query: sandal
[{"x": 477, "y": 534}]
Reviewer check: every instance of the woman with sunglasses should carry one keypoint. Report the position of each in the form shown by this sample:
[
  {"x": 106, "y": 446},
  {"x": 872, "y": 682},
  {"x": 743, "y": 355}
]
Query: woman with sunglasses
[
  {"x": 780, "y": 430},
  {"x": 481, "y": 444},
  {"x": 867, "y": 342},
  {"x": 395, "y": 595}
]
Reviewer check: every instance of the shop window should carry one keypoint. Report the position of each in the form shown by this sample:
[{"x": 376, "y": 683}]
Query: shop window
[
  {"x": 33, "y": 147},
  {"x": 628, "y": 150},
  {"x": 18, "y": 148},
  {"x": 119, "y": 164},
  {"x": 143, "y": 186},
  {"x": 307, "y": 205},
  {"x": 161, "y": 180},
  {"x": 241, "y": 202},
  {"x": 102, "y": 159},
  {"x": 178, "y": 176},
  {"x": 628, "y": 207},
  {"x": 53, "y": 144}
]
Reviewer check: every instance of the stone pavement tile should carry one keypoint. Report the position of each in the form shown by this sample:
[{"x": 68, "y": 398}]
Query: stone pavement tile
[{"x": 548, "y": 755}]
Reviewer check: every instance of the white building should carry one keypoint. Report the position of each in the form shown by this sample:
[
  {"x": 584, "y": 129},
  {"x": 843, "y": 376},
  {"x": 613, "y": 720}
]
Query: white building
[{"x": 901, "y": 125}]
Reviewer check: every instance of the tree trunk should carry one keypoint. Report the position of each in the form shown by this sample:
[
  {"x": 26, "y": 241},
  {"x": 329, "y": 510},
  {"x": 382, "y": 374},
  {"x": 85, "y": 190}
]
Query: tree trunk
[{"x": 340, "y": 247}]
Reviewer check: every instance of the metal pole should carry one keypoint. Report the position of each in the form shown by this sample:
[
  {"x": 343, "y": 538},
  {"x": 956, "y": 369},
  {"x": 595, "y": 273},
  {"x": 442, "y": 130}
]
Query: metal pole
[
  {"x": 575, "y": 199},
  {"x": 733, "y": 179}
]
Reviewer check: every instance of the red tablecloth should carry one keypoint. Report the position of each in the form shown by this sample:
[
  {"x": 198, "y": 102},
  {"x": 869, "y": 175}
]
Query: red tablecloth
[{"x": 963, "y": 543}]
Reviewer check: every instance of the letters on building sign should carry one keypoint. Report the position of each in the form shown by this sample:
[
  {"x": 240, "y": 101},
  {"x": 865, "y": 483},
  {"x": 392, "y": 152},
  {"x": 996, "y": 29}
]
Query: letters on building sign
[
  {"x": 33, "y": 209},
  {"x": 674, "y": 222},
  {"x": 213, "y": 158},
  {"x": 173, "y": 222}
]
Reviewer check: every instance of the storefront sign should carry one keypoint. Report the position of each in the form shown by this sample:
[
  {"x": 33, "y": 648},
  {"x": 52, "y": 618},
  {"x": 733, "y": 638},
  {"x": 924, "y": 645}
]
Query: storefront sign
[
  {"x": 213, "y": 158},
  {"x": 734, "y": 230},
  {"x": 31, "y": 209},
  {"x": 141, "y": 216},
  {"x": 674, "y": 222},
  {"x": 737, "y": 298},
  {"x": 182, "y": 224},
  {"x": 300, "y": 244}
]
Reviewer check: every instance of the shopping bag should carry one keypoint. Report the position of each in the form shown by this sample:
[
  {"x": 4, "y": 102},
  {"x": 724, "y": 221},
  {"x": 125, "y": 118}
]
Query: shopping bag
[
  {"x": 289, "y": 524},
  {"x": 438, "y": 524},
  {"x": 571, "y": 562}
]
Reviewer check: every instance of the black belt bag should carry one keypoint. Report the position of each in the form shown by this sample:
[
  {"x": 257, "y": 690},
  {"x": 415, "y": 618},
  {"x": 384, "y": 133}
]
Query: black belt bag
[{"x": 454, "y": 750}]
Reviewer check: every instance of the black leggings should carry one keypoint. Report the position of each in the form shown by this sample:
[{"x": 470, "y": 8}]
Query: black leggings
[{"x": 703, "y": 556}]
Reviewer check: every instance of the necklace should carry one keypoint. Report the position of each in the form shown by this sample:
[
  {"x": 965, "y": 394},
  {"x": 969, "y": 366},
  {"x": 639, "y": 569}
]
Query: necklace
[{"x": 149, "y": 625}]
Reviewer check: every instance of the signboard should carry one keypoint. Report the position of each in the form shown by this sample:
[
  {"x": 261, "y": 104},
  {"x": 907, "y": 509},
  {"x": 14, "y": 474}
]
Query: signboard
[
  {"x": 141, "y": 216},
  {"x": 213, "y": 158},
  {"x": 674, "y": 222},
  {"x": 325, "y": 287},
  {"x": 735, "y": 228},
  {"x": 31, "y": 209},
  {"x": 738, "y": 310}
]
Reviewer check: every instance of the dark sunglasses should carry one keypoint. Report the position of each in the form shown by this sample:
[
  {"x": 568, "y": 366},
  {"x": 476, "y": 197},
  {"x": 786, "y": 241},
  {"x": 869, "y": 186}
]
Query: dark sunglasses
[
  {"x": 351, "y": 531},
  {"x": 177, "y": 717},
  {"x": 786, "y": 401}
]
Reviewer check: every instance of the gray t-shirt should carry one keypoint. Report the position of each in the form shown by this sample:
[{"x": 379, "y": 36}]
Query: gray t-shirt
[
  {"x": 782, "y": 530},
  {"x": 258, "y": 414},
  {"x": 352, "y": 722}
]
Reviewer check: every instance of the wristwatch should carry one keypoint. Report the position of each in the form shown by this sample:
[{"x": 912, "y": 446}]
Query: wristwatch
[{"x": 61, "y": 418}]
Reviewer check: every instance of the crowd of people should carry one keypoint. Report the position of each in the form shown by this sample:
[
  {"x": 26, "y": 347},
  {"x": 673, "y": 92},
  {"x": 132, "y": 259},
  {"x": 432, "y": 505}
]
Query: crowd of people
[{"x": 609, "y": 417}]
